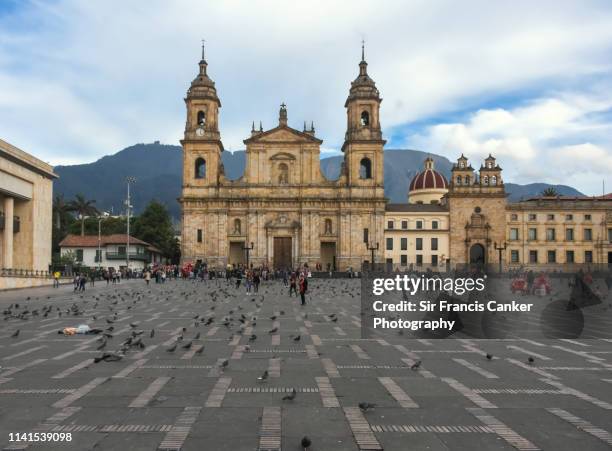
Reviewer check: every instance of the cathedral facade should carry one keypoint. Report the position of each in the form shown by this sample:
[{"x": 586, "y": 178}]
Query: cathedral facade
[{"x": 283, "y": 212}]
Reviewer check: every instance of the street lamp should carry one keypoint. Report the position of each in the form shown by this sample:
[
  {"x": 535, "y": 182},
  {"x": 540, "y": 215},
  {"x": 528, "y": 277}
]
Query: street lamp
[
  {"x": 248, "y": 249},
  {"x": 129, "y": 180},
  {"x": 372, "y": 247},
  {"x": 100, "y": 219},
  {"x": 500, "y": 249}
]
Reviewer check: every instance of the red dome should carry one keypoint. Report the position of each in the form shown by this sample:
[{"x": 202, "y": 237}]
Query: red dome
[{"x": 428, "y": 179}]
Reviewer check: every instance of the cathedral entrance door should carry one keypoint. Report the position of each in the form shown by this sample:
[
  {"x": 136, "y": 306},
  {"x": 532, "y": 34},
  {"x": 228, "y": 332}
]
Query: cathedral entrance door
[
  {"x": 282, "y": 252},
  {"x": 477, "y": 254}
]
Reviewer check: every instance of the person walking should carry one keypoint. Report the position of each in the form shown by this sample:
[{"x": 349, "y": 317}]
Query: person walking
[
  {"x": 147, "y": 276},
  {"x": 56, "y": 279},
  {"x": 303, "y": 283},
  {"x": 293, "y": 284},
  {"x": 256, "y": 281},
  {"x": 238, "y": 277},
  {"x": 82, "y": 282}
]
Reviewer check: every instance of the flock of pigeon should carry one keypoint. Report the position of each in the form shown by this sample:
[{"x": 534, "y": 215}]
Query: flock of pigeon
[{"x": 107, "y": 308}]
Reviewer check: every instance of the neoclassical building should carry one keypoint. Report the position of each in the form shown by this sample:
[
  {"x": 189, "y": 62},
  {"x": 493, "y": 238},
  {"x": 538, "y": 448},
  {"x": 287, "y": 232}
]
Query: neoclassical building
[{"x": 283, "y": 209}]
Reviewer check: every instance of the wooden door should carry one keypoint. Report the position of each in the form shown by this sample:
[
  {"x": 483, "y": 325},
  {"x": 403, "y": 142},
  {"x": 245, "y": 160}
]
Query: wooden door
[{"x": 282, "y": 252}]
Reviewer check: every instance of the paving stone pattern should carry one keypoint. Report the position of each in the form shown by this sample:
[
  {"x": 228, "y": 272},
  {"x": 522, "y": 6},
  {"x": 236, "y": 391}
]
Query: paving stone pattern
[{"x": 227, "y": 370}]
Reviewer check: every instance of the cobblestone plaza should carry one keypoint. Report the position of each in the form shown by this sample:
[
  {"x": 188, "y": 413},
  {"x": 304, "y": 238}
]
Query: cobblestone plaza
[{"x": 208, "y": 393}]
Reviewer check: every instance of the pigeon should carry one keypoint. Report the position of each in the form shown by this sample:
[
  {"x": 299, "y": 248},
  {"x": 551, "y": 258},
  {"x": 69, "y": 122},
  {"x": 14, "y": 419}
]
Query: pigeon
[
  {"x": 298, "y": 338},
  {"x": 306, "y": 442},
  {"x": 263, "y": 377},
  {"x": 273, "y": 317},
  {"x": 252, "y": 338},
  {"x": 15, "y": 334},
  {"x": 291, "y": 396},
  {"x": 172, "y": 348},
  {"x": 152, "y": 334},
  {"x": 365, "y": 406},
  {"x": 489, "y": 356},
  {"x": 200, "y": 350},
  {"x": 416, "y": 365},
  {"x": 134, "y": 325},
  {"x": 531, "y": 360},
  {"x": 187, "y": 345},
  {"x": 273, "y": 330},
  {"x": 224, "y": 363},
  {"x": 335, "y": 320}
]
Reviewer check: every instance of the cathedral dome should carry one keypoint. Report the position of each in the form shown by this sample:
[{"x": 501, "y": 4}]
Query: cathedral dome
[
  {"x": 428, "y": 185},
  {"x": 428, "y": 179}
]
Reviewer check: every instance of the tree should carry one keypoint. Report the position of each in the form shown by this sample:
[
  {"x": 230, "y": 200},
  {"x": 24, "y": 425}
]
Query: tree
[
  {"x": 550, "y": 192},
  {"x": 61, "y": 209},
  {"x": 83, "y": 207},
  {"x": 108, "y": 226},
  {"x": 62, "y": 220},
  {"x": 155, "y": 227}
]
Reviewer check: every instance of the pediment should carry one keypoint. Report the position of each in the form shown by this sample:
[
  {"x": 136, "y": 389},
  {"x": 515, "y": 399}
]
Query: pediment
[
  {"x": 283, "y": 134},
  {"x": 282, "y": 156}
]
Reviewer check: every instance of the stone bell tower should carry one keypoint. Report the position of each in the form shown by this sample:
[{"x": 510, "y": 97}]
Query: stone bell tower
[
  {"x": 362, "y": 173},
  {"x": 201, "y": 240},
  {"x": 202, "y": 145}
]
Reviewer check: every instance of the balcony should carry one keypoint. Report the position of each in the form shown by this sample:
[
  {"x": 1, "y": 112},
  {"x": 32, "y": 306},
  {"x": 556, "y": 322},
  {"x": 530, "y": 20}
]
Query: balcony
[
  {"x": 123, "y": 256},
  {"x": 16, "y": 223}
]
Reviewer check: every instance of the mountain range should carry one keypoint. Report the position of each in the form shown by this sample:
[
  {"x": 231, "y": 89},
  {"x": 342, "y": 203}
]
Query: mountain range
[{"x": 158, "y": 171}]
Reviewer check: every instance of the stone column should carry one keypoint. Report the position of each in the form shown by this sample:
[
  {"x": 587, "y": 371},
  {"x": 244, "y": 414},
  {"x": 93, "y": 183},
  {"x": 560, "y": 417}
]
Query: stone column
[{"x": 7, "y": 245}]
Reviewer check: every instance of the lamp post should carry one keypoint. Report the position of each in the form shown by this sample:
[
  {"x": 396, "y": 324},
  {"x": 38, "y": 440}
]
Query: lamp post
[
  {"x": 500, "y": 249},
  {"x": 100, "y": 219},
  {"x": 248, "y": 249},
  {"x": 129, "y": 180},
  {"x": 372, "y": 248}
]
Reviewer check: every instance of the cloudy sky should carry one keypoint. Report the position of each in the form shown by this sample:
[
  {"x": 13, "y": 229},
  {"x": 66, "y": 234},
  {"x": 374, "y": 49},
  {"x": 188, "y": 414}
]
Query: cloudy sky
[{"x": 530, "y": 82}]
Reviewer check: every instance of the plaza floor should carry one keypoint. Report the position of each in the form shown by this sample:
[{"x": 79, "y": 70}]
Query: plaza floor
[{"x": 213, "y": 398}]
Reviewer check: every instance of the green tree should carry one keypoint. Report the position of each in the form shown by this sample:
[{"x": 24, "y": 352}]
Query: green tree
[
  {"x": 83, "y": 207},
  {"x": 550, "y": 192},
  {"x": 62, "y": 220},
  {"x": 108, "y": 226},
  {"x": 155, "y": 227}
]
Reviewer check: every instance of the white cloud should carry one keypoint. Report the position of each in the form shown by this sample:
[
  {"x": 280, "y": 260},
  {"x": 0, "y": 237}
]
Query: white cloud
[
  {"x": 82, "y": 79},
  {"x": 529, "y": 140}
]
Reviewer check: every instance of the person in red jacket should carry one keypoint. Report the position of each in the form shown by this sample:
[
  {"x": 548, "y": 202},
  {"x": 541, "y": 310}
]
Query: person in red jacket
[{"x": 303, "y": 284}]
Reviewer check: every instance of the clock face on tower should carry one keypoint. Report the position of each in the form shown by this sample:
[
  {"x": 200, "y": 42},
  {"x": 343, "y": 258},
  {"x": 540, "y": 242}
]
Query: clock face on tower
[{"x": 200, "y": 131}]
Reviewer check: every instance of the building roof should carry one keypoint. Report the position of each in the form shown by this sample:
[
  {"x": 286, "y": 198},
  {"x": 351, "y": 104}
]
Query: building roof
[
  {"x": 423, "y": 208},
  {"x": 23, "y": 158},
  {"x": 92, "y": 240},
  {"x": 429, "y": 178}
]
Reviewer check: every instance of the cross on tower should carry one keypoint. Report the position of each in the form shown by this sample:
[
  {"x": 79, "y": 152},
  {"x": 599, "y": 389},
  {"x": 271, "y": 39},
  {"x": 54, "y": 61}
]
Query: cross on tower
[{"x": 203, "y": 48}]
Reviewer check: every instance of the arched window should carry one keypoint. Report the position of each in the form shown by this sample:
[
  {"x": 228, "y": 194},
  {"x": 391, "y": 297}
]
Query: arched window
[
  {"x": 485, "y": 180},
  {"x": 494, "y": 180},
  {"x": 365, "y": 168},
  {"x": 200, "y": 168},
  {"x": 283, "y": 174},
  {"x": 201, "y": 118},
  {"x": 458, "y": 180},
  {"x": 237, "y": 226},
  {"x": 467, "y": 179},
  {"x": 328, "y": 226},
  {"x": 365, "y": 118}
]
